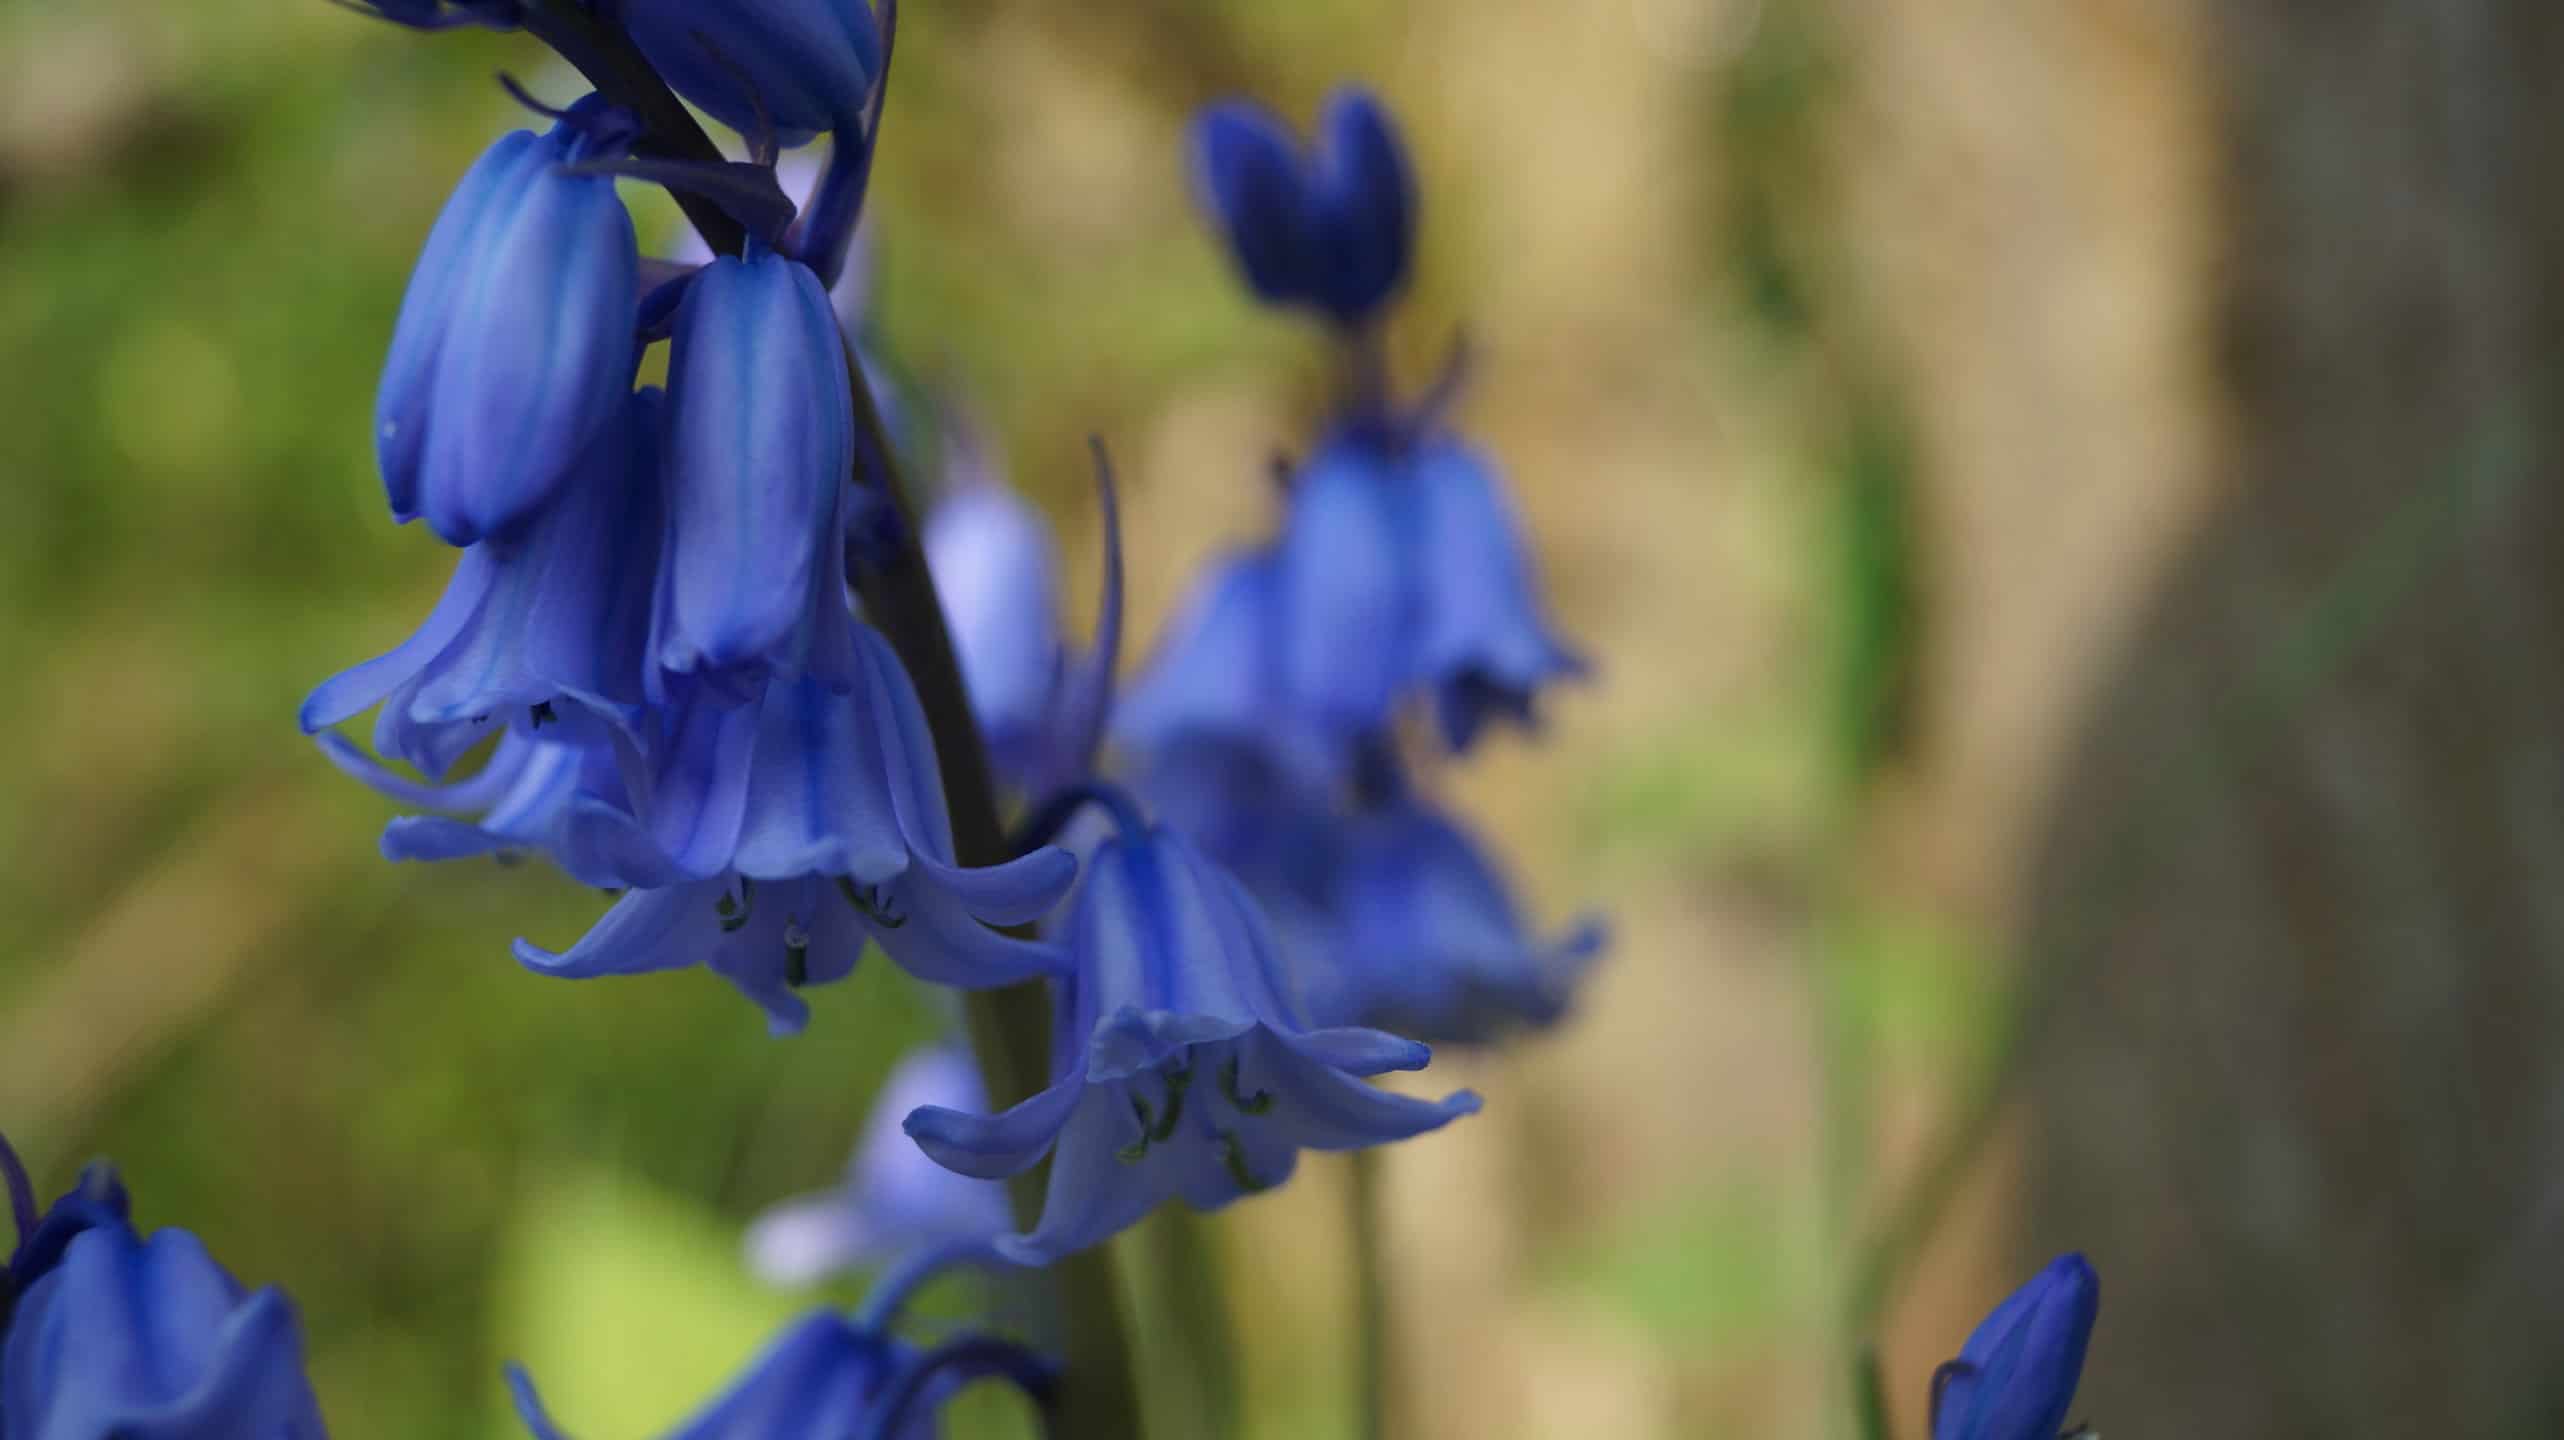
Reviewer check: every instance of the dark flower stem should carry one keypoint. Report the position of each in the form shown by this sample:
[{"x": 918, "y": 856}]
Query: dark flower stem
[
  {"x": 1010, "y": 1028},
  {"x": 1377, "y": 1361}
]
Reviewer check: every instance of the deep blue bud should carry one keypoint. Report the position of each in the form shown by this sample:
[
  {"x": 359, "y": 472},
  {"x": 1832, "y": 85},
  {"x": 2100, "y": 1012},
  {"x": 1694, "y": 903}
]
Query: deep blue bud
[
  {"x": 1180, "y": 1068},
  {"x": 515, "y": 344},
  {"x": 1332, "y": 229},
  {"x": 111, "y": 1334},
  {"x": 760, "y": 448},
  {"x": 893, "y": 1199},
  {"x": 2015, "y": 1378},
  {"x": 791, "y": 67}
]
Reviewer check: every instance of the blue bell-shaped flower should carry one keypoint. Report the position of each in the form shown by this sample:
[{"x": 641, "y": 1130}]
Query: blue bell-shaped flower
[
  {"x": 1423, "y": 938},
  {"x": 545, "y": 630},
  {"x": 2016, "y": 1376},
  {"x": 515, "y": 345},
  {"x": 790, "y": 69},
  {"x": 790, "y": 830},
  {"x": 821, "y": 1379},
  {"x": 104, "y": 1333},
  {"x": 1333, "y": 229},
  {"x": 893, "y": 1199},
  {"x": 1401, "y": 572},
  {"x": 1180, "y": 1068},
  {"x": 760, "y": 451},
  {"x": 557, "y": 798}
]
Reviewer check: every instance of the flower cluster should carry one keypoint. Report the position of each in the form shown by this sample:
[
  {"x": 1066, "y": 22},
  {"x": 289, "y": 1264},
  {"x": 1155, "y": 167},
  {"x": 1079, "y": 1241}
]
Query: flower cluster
[{"x": 695, "y": 654}]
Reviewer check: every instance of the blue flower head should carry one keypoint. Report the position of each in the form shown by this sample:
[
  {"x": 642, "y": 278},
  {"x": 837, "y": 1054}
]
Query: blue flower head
[
  {"x": 1400, "y": 573},
  {"x": 106, "y": 1333},
  {"x": 782, "y": 833},
  {"x": 893, "y": 1199},
  {"x": 1041, "y": 706},
  {"x": 515, "y": 345},
  {"x": 789, "y": 69},
  {"x": 2016, "y": 1376},
  {"x": 544, "y": 630},
  {"x": 1422, "y": 937},
  {"x": 1330, "y": 229},
  {"x": 1180, "y": 1068},
  {"x": 760, "y": 449}
]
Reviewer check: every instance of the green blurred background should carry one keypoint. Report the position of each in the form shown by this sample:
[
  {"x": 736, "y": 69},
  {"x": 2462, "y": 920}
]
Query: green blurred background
[{"x": 1897, "y": 389}]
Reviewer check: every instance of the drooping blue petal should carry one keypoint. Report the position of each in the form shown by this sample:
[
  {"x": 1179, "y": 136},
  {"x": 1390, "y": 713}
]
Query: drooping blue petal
[
  {"x": 1246, "y": 166},
  {"x": 821, "y": 1379},
  {"x": 893, "y": 1198},
  {"x": 760, "y": 445},
  {"x": 2015, "y": 1379},
  {"x": 1350, "y": 591},
  {"x": 794, "y": 67},
  {"x": 1361, "y": 189},
  {"x": 151, "y": 1340},
  {"x": 998, "y": 1146},
  {"x": 515, "y": 344}
]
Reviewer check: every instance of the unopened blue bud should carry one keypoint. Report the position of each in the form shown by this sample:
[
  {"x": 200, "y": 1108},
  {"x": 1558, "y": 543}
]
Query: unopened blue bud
[
  {"x": 1331, "y": 228},
  {"x": 792, "y": 68},
  {"x": 2015, "y": 1379},
  {"x": 515, "y": 344},
  {"x": 760, "y": 445}
]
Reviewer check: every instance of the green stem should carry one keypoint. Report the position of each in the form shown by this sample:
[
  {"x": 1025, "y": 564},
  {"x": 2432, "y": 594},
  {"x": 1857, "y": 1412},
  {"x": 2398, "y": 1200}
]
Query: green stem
[
  {"x": 1174, "y": 1272},
  {"x": 1377, "y": 1360},
  {"x": 1010, "y": 1028}
]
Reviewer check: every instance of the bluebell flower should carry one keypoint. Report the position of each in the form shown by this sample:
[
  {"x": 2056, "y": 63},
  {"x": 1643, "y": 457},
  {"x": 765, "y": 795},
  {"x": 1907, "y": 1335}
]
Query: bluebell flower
[
  {"x": 893, "y": 1199},
  {"x": 560, "y": 799},
  {"x": 515, "y": 345},
  {"x": 839, "y": 1377},
  {"x": 785, "y": 832},
  {"x": 2016, "y": 1376},
  {"x": 1421, "y": 936},
  {"x": 789, "y": 69},
  {"x": 543, "y": 628},
  {"x": 760, "y": 451},
  {"x": 1181, "y": 1069},
  {"x": 1041, "y": 705},
  {"x": 106, "y": 1333},
  {"x": 1331, "y": 229},
  {"x": 1401, "y": 572}
]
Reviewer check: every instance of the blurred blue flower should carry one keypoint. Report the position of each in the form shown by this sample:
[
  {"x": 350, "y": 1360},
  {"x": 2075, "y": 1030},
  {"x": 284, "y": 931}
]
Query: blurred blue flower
[
  {"x": 1041, "y": 706},
  {"x": 837, "y": 1377},
  {"x": 1180, "y": 1068},
  {"x": 1422, "y": 938},
  {"x": 788, "y": 69},
  {"x": 515, "y": 345},
  {"x": 445, "y": 14},
  {"x": 545, "y": 630},
  {"x": 893, "y": 1199},
  {"x": 760, "y": 450},
  {"x": 106, "y": 1334},
  {"x": 1331, "y": 229},
  {"x": 783, "y": 833},
  {"x": 1400, "y": 572},
  {"x": 2016, "y": 1376}
]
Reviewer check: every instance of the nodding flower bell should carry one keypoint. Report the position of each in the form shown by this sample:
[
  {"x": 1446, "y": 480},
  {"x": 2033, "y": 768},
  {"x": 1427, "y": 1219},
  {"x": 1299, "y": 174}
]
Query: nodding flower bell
[
  {"x": 893, "y": 1199},
  {"x": 782, "y": 834},
  {"x": 760, "y": 450},
  {"x": 1331, "y": 229},
  {"x": 2016, "y": 1376},
  {"x": 544, "y": 630},
  {"x": 515, "y": 345},
  {"x": 1180, "y": 1068},
  {"x": 788, "y": 69},
  {"x": 844, "y": 1377},
  {"x": 1401, "y": 571},
  {"x": 106, "y": 1333}
]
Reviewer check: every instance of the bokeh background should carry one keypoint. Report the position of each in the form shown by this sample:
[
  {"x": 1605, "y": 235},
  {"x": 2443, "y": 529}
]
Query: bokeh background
[{"x": 2064, "y": 497}]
